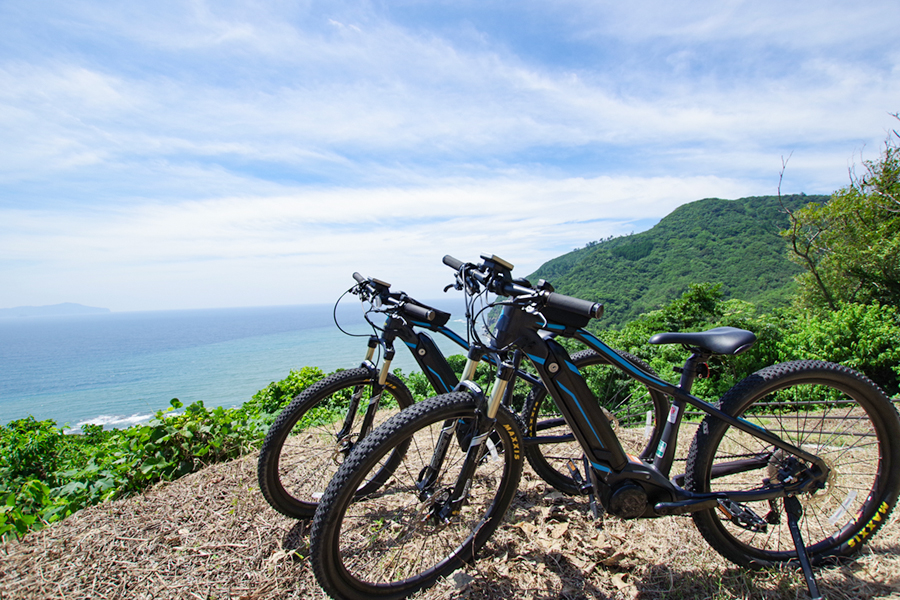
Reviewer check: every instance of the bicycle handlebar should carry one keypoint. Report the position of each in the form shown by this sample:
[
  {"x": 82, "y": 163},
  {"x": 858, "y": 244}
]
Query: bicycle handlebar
[
  {"x": 418, "y": 312},
  {"x": 584, "y": 308},
  {"x": 453, "y": 263},
  {"x": 495, "y": 274},
  {"x": 369, "y": 288}
]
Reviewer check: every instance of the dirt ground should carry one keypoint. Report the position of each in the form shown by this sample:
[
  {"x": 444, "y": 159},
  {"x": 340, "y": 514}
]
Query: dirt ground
[{"x": 211, "y": 535}]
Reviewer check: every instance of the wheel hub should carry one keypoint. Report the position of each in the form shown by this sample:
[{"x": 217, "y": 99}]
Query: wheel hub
[
  {"x": 341, "y": 449},
  {"x": 832, "y": 481},
  {"x": 788, "y": 469}
]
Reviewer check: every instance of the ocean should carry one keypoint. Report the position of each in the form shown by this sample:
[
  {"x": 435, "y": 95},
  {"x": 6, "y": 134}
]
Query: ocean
[{"x": 118, "y": 369}]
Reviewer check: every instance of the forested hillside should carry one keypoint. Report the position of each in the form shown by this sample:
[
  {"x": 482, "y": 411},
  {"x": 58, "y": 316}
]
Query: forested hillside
[{"x": 733, "y": 242}]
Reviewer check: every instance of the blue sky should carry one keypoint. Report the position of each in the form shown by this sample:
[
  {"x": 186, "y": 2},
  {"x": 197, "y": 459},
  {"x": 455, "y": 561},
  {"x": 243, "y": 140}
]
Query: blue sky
[{"x": 190, "y": 154}]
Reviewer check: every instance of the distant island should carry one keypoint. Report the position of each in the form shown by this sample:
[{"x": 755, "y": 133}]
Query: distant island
[{"x": 53, "y": 310}]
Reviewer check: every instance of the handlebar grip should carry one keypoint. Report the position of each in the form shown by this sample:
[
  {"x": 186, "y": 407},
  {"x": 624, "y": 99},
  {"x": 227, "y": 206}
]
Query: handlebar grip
[
  {"x": 453, "y": 263},
  {"x": 359, "y": 278},
  {"x": 584, "y": 308},
  {"x": 418, "y": 312}
]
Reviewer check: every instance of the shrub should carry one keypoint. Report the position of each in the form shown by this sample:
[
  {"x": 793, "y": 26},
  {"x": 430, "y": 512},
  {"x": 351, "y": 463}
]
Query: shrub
[
  {"x": 863, "y": 337},
  {"x": 46, "y": 475}
]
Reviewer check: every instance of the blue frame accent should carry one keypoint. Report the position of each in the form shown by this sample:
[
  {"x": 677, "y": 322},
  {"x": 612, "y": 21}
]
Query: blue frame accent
[
  {"x": 600, "y": 467},
  {"x": 587, "y": 420},
  {"x": 453, "y": 336},
  {"x": 439, "y": 378},
  {"x": 536, "y": 359}
]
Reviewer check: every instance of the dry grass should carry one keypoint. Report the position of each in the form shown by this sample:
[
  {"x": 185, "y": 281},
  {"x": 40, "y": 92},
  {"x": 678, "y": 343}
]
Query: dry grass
[{"x": 212, "y": 535}]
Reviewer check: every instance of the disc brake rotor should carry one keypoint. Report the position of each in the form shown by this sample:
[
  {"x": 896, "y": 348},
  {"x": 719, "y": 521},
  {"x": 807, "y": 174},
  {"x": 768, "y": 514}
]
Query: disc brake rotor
[{"x": 778, "y": 460}]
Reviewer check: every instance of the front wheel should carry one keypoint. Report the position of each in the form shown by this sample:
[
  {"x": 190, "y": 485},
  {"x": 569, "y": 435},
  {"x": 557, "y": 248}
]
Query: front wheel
[
  {"x": 397, "y": 539},
  {"x": 303, "y": 449},
  {"x": 825, "y": 409}
]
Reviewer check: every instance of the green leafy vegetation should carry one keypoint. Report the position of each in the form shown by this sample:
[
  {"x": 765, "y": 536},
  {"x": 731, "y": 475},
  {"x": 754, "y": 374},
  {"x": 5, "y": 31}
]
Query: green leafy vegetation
[
  {"x": 732, "y": 242},
  {"x": 708, "y": 264},
  {"x": 46, "y": 475},
  {"x": 849, "y": 246},
  {"x": 863, "y": 337}
]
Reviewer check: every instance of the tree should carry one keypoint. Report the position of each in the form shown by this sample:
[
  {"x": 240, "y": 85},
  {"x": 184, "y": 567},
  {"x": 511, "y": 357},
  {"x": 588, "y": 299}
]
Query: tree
[{"x": 850, "y": 245}]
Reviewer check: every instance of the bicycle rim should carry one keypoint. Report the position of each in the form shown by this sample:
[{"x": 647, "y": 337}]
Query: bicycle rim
[
  {"x": 824, "y": 409},
  {"x": 302, "y": 451},
  {"x": 387, "y": 544}
]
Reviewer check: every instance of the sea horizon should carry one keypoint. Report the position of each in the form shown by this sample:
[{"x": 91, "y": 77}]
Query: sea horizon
[{"x": 119, "y": 368}]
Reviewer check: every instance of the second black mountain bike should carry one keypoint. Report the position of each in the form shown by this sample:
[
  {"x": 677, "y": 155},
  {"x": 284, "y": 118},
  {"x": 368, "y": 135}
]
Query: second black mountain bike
[{"x": 313, "y": 434}]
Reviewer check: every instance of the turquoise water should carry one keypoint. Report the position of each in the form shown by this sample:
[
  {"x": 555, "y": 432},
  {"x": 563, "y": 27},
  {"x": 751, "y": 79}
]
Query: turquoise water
[{"x": 117, "y": 369}]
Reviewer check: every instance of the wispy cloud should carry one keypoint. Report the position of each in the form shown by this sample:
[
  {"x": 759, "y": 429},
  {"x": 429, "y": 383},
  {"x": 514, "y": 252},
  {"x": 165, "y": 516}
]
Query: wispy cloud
[
  {"x": 200, "y": 151},
  {"x": 282, "y": 249}
]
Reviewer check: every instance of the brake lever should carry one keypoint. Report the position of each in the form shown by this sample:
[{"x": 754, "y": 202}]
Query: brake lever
[
  {"x": 533, "y": 303},
  {"x": 533, "y": 299},
  {"x": 361, "y": 291}
]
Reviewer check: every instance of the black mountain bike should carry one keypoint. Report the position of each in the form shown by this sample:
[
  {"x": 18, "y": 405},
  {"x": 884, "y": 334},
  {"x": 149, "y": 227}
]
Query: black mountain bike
[
  {"x": 311, "y": 437},
  {"x": 797, "y": 463}
]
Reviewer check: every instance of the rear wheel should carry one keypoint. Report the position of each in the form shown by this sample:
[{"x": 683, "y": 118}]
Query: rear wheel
[
  {"x": 822, "y": 408},
  {"x": 394, "y": 541},
  {"x": 302, "y": 450},
  {"x": 625, "y": 401}
]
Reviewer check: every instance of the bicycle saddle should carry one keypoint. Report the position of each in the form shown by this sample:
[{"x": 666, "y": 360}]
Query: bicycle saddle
[{"x": 721, "y": 340}]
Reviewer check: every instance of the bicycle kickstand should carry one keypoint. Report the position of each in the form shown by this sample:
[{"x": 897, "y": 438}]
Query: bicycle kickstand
[{"x": 794, "y": 512}]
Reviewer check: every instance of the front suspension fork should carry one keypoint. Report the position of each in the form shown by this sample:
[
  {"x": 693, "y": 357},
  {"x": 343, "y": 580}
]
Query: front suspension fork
[
  {"x": 480, "y": 427},
  {"x": 374, "y": 400}
]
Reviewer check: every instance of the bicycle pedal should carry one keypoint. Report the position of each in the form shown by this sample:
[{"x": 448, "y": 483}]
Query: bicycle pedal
[
  {"x": 574, "y": 473},
  {"x": 742, "y": 516},
  {"x": 584, "y": 487}
]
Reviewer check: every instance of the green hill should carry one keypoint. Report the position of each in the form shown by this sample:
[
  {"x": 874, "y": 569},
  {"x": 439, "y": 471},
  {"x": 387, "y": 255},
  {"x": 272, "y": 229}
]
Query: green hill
[{"x": 733, "y": 242}]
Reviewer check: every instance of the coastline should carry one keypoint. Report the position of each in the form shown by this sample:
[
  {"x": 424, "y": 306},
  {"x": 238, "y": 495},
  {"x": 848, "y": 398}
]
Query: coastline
[{"x": 115, "y": 369}]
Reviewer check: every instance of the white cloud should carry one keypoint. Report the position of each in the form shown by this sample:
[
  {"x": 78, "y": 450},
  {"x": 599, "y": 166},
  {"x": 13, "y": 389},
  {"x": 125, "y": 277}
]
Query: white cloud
[
  {"x": 207, "y": 154},
  {"x": 796, "y": 24},
  {"x": 315, "y": 237},
  {"x": 89, "y": 119}
]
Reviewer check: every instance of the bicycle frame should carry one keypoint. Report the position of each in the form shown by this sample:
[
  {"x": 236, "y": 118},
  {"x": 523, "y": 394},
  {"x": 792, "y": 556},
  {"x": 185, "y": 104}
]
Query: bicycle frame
[
  {"x": 427, "y": 355},
  {"x": 599, "y": 442},
  {"x": 625, "y": 485}
]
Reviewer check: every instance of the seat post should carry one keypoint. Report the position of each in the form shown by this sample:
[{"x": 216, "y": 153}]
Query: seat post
[{"x": 665, "y": 452}]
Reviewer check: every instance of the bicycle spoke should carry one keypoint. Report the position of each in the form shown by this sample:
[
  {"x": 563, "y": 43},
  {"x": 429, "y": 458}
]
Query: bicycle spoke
[
  {"x": 396, "y": 535},
  {"x": 821, "y": 418}
]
